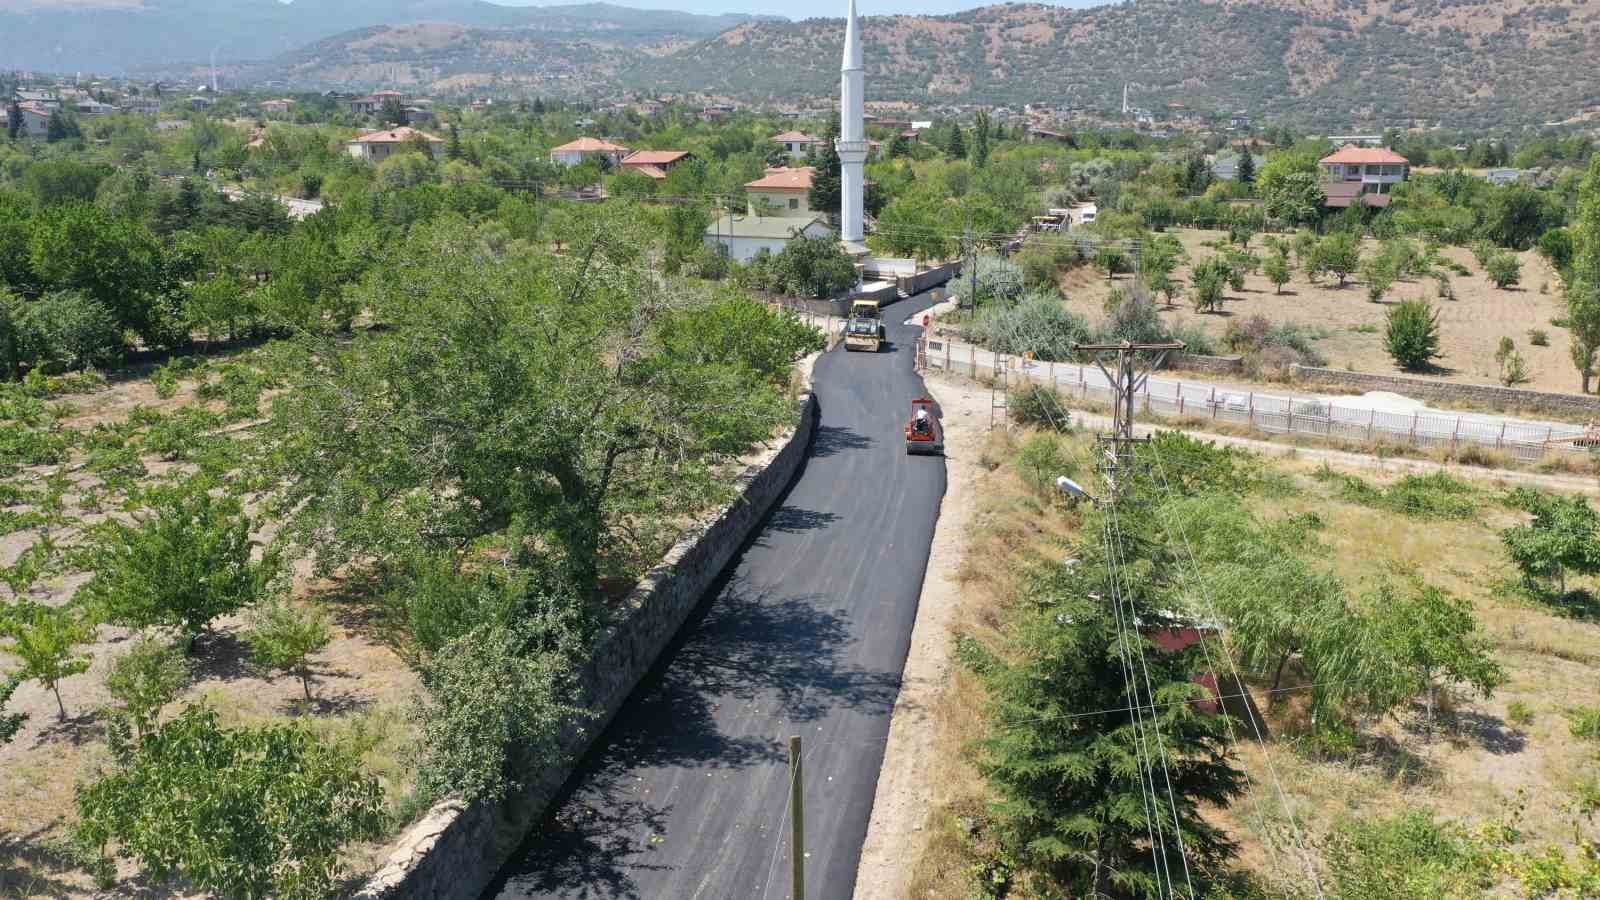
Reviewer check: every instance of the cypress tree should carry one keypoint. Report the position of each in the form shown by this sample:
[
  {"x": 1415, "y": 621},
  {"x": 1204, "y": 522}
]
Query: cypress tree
[
  {"x": 1247, "y": 167},
  {"x": 980, "y": 142},
  {"x": 957, "y": 147}
]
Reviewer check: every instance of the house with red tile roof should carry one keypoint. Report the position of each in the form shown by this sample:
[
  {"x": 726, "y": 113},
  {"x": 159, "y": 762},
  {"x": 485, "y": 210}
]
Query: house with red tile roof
[
  {"x": 35, "y": 119},
  {"x": 573, "y": 153},
  {"x": 1362, "y": 174},
  {"x": 796, "y": 143},
  {"x": 783, "y": 191},
  {"x": 377, "y": 146},
  {"x": 655, "y": 163}
]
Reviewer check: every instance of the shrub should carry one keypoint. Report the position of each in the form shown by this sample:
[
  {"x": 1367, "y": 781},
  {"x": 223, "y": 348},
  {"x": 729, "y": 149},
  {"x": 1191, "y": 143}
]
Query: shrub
[
  {"x": 1538, "y": 337},
  {"x": 1036, "y": 406},
  {"x": 497, "y": 705},
  {"x": 240, "y": 812},
  {"x": 1379, "y": 274},
  {"x": 44, "y": 638},
  {"x": 1585, "y": 722},
  {"x": 1504, "y": 269},
  {"x": 69, "y": 330},
  {"x": 144, "y": 679},
  {"x": 1040, "y": 324},
  {"x": 185, "y": 565},
  {"x": 1408, "y": 856},
  {"x": 1209, "y": 280},
  {"x": 1040, "y": 461},
  {"x": 1411, "y": 334},
  {"x": 1519, "y": 713},
  {"x": 283, "y": 637}
]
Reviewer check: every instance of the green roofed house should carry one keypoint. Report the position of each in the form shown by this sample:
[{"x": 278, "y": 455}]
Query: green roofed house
[{"x": 742, "y": 236}]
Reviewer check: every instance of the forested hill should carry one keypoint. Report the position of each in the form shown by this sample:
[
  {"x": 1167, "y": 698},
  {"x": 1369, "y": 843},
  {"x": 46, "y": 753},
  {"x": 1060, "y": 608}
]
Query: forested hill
[
  {"x": 1334, "y": 62},
  {"x": 114, "y": 36}
]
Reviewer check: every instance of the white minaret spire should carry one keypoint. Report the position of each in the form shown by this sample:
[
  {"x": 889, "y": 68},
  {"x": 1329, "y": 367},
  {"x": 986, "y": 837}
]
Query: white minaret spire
[{"x": 852, "y": 142}]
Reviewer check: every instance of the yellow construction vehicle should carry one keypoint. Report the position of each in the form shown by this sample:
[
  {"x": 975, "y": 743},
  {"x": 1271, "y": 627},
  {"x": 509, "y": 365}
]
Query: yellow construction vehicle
[{"x": 864, "y": 330}]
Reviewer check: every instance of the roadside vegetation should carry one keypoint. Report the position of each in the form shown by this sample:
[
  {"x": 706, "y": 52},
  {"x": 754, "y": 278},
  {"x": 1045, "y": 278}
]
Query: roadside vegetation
[{"x": 1417, "y": 670}]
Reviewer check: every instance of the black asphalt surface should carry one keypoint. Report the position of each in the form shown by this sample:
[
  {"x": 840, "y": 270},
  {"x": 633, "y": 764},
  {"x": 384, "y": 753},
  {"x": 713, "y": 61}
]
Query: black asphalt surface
[{"x": 685, "y": 795}]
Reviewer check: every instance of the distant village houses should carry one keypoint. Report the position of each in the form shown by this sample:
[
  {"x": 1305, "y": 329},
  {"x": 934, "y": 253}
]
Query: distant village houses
[
  {"x": 1362, "y": 175},
  {"x": 655, "y": 164},
  {"x": 797, "y": 144},
  {"x": 574, "y": 153},
  {"x": 377, "y": 146},
  {"x": 372, "y": 103}
]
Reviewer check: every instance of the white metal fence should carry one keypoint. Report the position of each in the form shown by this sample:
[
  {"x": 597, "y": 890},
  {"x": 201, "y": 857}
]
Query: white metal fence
[{"x": 1270, "y": 413}]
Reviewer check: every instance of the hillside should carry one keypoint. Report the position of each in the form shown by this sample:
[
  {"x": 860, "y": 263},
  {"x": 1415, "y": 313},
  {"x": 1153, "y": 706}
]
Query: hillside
[
  {"x": 1335, "y": 62},
  {"x": 121, "y": 35}
]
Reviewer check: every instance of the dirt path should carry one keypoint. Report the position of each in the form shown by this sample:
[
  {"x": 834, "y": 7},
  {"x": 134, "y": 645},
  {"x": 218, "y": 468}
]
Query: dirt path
[{"x": 906, "y": 789}]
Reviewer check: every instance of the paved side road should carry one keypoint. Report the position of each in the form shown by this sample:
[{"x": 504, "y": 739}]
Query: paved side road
[{"x": 685, "y": 795}]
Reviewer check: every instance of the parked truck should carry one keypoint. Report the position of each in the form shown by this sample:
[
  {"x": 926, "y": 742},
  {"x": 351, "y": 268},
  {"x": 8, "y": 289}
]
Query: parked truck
[{"x": 864, "y": 329}]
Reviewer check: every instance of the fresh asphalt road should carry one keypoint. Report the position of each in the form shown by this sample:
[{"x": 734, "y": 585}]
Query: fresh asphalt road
[{"x": 685, "y": 795}]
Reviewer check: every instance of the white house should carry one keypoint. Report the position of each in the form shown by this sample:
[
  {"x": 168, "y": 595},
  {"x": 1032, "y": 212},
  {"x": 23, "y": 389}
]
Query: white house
[
  {"x": 1376, "y": 169},
  {"x": 377, "y": 146},
  {"x": 743, "y": 236},
  {"x": 35, "y": 119},
  {"x": 575, "y": 152},
  {"x": 796, "y": 143}
]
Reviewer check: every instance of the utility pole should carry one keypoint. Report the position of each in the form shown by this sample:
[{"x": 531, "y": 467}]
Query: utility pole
[
  {"x": 1117, "y": 447},
  {"x": 797, "y": 820}
]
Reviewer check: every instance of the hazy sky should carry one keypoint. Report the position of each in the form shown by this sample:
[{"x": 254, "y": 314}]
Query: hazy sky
[{"x": 813, "y": 8}]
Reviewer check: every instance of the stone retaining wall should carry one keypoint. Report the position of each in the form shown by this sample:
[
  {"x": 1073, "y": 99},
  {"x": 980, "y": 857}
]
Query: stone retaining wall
[
  {"x": 1449, "y": 392},
  {"x": 457, "y": 849},
  {"x": 1218, "y": 365}
]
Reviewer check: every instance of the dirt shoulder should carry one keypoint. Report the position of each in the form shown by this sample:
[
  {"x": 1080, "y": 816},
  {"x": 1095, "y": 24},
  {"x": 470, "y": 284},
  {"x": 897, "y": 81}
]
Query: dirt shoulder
[{"x": 907, "y": 790}]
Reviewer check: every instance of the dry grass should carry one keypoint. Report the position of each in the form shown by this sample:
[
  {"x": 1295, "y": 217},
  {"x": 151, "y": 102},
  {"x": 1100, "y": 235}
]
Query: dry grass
[
  {"x": 1469, "y": 772},
  {"x": 1471, "y": 326}
]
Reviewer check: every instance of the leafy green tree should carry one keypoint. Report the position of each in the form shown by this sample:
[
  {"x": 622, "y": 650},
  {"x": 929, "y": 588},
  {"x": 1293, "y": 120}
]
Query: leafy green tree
[
  {"x": 814, "y": 267},
  {"x": 1378, "y": 272},
  {"x": 495, "y": 710},
  {"x": 1515, "y": 216},
  {"x": 239, "y": 812},
  {"x": 283, "y": 637},
  {"x": 114, "y": 261},
  {"x": 1338, "y": 253},
  {"x": 1276, "y": 268},
  {"x": 1411, "y": 334},
  {"x": 1294, "y": 198},
  {"x": 1564, "y": 536},
  {"x": 914, "y": 225},
  {"x": 188, "y": 562},
  {"x": 144, "y": 679},
  {"x": 13, "y": 120},
  {"x": 452, "y": 148},
  {"x": 1427, "y": 639},
  {"x": 1583, "y": 321},
  {"x": 1504, "y": 269},
  {"x": 44, "y": 638},
  {"x": 1209, "y": 280},
  {"x": 1111, "y": 260},
  {"x": 897, "y": 147},
  {"x": 1071, "y": 796},
  {"x": 10, "y": 723},
  {"x": 393, "y": 113}
]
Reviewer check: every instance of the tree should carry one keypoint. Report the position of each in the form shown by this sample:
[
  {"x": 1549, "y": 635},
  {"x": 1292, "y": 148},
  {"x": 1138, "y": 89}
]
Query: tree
[
  {"x": 1247, "y": 167},
  {"x": 1339, "y": 253},
  {"x": 955, "y": 147},
  {"x": 1071, "y": 794},
  {"x": 1583, "y": 321},
  {"x": 814, "y": 267},
  {"x": 980, "y": 141},
  {"x": 1110, "y": 259},
  {"x": 283, "y": 637},
  {"x": 1586, "y": 227},
  {"x": 78, "y": 246},
  {"x": 1411, "y": 334},
  {"x": 1427, "y": 639},
  {"x": 1378, "y": 272},
  {"x": 913, "y": 224},
  {"x": 1504, "y": 269},
  {"x": 13, "y": 120},
  {"x": 239, "y": 812},
  {"x": 452, "y": 148},
  {"x": 826, "y": 181},
  {"x": 494, "y": 712},
  {"x": 62, "y": 127},
  {"x": 43, "y": 638},
  {"x": 1276, "y": 268},
  {"x": 184, "y": 565},
  {"x": 1563, "y": 536},
  {"x": 392, "y": 113},
  {"x": 1295, "y": 198},
  {"x": 144, "y": 679},
  {"x": 897, "y": 147},
  {"x": 10, "y": 723},
  {"x": 1209, "y": 280}
]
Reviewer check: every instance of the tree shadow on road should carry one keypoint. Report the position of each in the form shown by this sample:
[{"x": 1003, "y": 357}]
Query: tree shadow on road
[
  {"x": 746, "y": 667},
  {"x": 794, "y": 520},
  {"x": 831, "y": 439}
]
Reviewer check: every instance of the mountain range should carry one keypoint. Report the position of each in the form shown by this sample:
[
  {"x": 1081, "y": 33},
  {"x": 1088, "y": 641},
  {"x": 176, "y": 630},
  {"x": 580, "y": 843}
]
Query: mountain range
[
  {"x": 118, "y": 36},
  {"x": 1357, "y": 64}
]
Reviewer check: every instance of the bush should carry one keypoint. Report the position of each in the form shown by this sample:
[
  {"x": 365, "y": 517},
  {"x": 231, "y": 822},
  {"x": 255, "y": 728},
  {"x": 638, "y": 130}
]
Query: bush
[
  {"x": 65, "y": 331},
  {"x": 1585, "y": 722},
  {"x": 1519, "y": 713},
  {"x": 1411, "y": 334},
  {"x": 997, "y": 280},
  {"x": 144, "y": 679},
  {"x": 1538, "y": 337},
  {"x": 1408, "y": 856},
  {"x": 1040, "y": 324},
  {"x": 282, "y": 637},
  {"x": 1209, "y": 280},
  {"x": 1036, "y": 406},
  {"x": 184, "y": 566},
  {"x": 1040, "y": 461},
  {"x": 1504, "y": 269},
  {"x": 497, "y": 706},
  {"x": 240, "y": 812}
]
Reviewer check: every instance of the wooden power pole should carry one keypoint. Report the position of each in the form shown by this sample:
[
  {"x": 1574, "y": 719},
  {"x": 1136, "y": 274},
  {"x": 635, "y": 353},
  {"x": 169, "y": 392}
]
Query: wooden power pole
[{"x": 797, "y": 819}]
